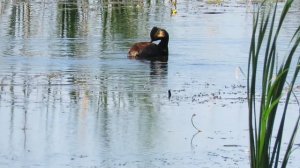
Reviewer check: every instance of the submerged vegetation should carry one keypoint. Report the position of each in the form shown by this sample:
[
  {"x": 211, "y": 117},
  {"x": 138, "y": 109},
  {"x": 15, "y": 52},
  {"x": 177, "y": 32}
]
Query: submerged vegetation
[{"x": 266, "y": 120}]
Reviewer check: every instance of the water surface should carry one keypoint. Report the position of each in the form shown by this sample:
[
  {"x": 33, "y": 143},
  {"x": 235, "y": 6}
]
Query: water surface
[{"x": 69, "y": 97}]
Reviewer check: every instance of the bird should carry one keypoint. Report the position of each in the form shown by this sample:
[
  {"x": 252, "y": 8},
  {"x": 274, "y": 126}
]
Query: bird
[{"x": 152, "y": 51}]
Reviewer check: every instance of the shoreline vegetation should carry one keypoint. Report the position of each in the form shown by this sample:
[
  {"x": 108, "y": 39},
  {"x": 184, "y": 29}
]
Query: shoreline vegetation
[{"x": 266, "y": 120}]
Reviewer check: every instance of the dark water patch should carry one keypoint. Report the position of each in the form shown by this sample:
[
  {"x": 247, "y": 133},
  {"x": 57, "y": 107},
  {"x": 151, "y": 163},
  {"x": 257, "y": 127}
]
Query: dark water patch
[{"x": 213, "y": 13}]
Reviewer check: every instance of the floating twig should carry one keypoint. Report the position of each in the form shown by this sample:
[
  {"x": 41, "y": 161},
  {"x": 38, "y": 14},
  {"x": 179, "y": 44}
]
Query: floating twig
[{"x": 192, "y": 121}]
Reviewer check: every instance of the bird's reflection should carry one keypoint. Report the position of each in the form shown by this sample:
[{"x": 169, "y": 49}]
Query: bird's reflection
[{"x": 158, "y": 69}]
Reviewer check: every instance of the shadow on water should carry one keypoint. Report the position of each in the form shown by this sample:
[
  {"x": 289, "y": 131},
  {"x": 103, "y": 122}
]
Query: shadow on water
[{"x": 69, "y": 97}]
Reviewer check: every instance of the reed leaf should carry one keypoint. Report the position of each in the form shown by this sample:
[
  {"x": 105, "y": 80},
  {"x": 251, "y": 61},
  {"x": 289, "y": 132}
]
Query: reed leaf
[{"x": 265, "y": 33}]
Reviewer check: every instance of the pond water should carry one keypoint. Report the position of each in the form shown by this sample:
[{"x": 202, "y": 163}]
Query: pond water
[{"x": 70, "y": 97}]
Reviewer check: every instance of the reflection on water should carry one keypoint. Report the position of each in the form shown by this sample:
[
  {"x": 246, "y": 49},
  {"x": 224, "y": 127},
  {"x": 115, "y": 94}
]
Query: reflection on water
[{"x": 69, "y": 97}]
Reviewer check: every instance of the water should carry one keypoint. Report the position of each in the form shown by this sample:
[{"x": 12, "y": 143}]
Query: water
[{"x": 69, "y": 97}]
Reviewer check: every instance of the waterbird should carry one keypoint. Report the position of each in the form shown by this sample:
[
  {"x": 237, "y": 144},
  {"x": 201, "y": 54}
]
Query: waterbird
[{"x": 152, "y": 51}]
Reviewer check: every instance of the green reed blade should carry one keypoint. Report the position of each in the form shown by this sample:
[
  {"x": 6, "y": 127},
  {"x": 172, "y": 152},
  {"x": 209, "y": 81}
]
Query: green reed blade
[{"x": 261, "y": 129}]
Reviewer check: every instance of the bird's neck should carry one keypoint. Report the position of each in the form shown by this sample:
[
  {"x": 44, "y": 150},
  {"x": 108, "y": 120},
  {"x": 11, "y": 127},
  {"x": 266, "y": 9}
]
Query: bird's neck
[{"x": 163, "y": 44}]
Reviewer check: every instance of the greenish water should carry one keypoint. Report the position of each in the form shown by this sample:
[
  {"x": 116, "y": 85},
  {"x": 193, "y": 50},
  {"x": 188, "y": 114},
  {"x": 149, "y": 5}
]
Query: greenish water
[{"x": 70, "y": 97}]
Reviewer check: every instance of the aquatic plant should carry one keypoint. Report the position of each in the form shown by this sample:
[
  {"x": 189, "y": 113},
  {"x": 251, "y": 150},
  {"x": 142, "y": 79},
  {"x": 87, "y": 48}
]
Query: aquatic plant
[
  {"x": 265, "y": 133},
  {"x": 216, "y": 2}
]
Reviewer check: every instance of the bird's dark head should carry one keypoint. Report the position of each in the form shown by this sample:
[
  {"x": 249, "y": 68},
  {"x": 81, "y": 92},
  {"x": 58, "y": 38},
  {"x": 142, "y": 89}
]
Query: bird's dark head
[{"x": 158, "y": 34}]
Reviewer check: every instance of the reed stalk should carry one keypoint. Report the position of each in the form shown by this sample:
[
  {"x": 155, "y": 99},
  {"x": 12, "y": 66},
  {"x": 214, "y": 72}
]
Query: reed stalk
[{"x": 266, "y": 152}]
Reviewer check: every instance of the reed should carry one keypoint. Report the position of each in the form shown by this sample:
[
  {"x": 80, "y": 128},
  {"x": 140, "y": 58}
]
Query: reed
[{"x": 265, "y": 134}]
